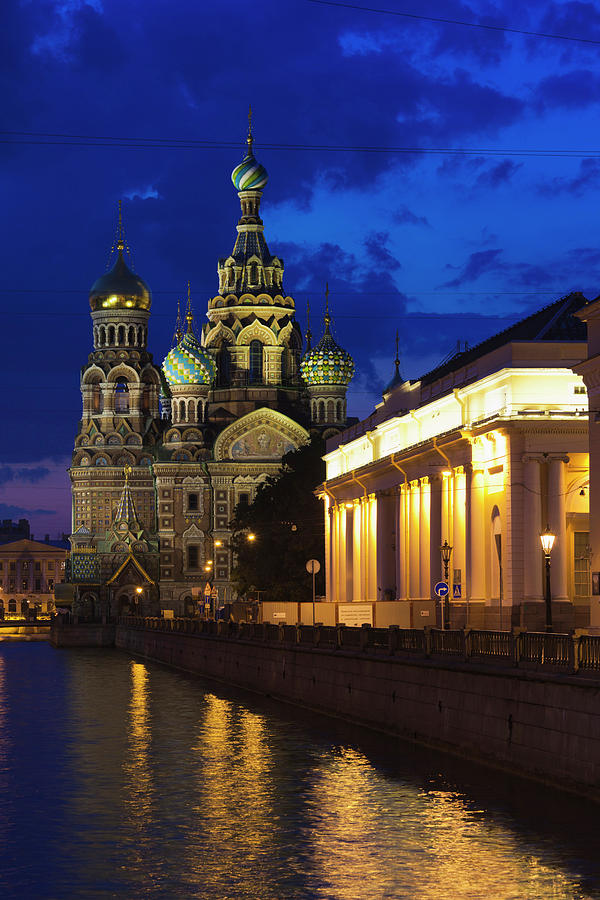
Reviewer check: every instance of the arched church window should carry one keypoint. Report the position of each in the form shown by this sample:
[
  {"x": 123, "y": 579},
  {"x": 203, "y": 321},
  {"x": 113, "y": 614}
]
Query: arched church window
[
  {"x": 321, "y": 411},
  {"x": 131, "y": 338},
  {"x": 340, "y": 411},
  {"x": 224, "y": 364},
  {"x": 253, "y": 274},
  {"x": 121, "y": 396},
  {"x": 97, "y": 399},
  {"x": 256, "y": 362},
  {"x": 330, "y": 410},
  {"x": 111, "y": 334},
  {"x": 121, "y": 334},
  {"x": 182, "y": 410}
]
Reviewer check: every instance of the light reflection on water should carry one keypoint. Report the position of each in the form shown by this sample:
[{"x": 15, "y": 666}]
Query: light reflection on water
[{"x": 125, "y": 779}]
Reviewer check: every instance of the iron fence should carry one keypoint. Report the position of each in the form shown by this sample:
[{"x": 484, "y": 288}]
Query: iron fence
[{"x": 565, "y": 653}]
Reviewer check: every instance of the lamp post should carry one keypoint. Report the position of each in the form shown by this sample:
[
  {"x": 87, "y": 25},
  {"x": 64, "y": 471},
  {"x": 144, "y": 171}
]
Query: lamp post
[
  {"x": 547, "y": 540},
  {"x": 446, "y": 551},
  {"x": 139, "y": 591}
]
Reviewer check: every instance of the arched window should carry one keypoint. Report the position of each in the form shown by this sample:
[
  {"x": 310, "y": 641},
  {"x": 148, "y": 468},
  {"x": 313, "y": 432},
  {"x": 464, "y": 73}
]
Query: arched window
[
  {"x": 321, "y": 411},
  {"x": 97, "y": 399},
  {"x": 224, "y": 364},
  {"x": 330, "y": 410},
  {"x": 111, "y": 334},
  {"x": 256, "y": 362},
  {"x": 340, "y": 411},
  {"x": 182, "y": 410},
  {"x": 101, "y": 336},
  {"x": 131, "y": 338},
  {"x": 121, "y": 396},
  {"x": 121, "y": 334}
]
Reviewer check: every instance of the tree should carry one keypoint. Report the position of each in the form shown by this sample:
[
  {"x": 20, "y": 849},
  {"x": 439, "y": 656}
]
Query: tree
[{"x": 286, "y": 520}]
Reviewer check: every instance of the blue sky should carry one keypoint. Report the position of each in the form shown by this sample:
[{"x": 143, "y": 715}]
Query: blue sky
[{"x": 442, "y": 246}]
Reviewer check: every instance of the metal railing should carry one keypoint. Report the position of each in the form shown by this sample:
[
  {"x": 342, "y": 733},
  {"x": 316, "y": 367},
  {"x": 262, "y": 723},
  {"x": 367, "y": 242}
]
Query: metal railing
[{"x": 566, "y": 653}]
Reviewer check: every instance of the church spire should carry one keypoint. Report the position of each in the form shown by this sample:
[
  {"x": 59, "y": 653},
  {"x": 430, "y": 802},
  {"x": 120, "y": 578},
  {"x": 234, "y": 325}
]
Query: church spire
[
  {"x": 189, "y": 315},
  {"x": 308, "y": 331},
  {"x": 125, "y": 511}
]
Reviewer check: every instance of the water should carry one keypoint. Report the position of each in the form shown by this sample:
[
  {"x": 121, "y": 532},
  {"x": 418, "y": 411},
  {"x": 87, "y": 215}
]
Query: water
[{"x": 125, "y": 779}]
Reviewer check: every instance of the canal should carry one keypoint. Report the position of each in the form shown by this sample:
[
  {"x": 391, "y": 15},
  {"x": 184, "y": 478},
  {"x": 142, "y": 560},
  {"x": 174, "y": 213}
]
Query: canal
[{"x": 125, "y": 779}]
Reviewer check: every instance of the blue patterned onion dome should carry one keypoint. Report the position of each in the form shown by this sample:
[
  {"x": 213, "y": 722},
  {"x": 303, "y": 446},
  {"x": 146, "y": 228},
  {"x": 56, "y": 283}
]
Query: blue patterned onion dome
[
  {"x": 249, "y": 175},
  {"x": 189, "y": 363},
  {"x": 327, "y": 363}
]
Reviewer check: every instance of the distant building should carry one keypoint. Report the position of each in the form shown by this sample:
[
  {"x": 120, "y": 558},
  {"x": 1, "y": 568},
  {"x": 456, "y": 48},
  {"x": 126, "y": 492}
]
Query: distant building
[
  {"x": 14, "y": 531},
  {"x": 164, "y": 455},
  {"x": 29, "y": 572},
  {"x": 482, "y": 452}
]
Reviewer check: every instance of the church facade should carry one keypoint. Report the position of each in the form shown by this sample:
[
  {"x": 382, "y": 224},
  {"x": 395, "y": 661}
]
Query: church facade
[{"x": 164, "y": 454}]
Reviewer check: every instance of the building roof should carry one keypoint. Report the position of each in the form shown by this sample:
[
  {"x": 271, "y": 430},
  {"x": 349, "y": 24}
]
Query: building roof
[
  {"x": 554, "y": 322},
  {"x": 26, "y": 546}
]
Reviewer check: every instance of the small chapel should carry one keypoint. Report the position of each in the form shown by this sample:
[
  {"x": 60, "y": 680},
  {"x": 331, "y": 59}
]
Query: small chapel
[{"x": 164, "y": 454}]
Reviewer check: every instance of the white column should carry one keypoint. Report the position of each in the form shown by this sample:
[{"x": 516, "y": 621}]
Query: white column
[
  {"x": 371, "y": 509},
  {"x": 477, "y": 535},
  {"x": 558, "y": 523},
  {"x": 358, "y": 559},
  {"x": 413, "y": 539},
  {"x": 401, "y": 544},
  {"x": 424, "y": 543},
  {"x": 532, "y": 526},
  {"x": 459, "y": 508},
  {"x": 435, "y": 533},
  {"x": 328, "y": 560}
]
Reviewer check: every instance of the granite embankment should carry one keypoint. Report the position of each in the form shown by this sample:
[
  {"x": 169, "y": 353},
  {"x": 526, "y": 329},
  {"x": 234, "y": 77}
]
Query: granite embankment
[{"x": 526, "y": 703}]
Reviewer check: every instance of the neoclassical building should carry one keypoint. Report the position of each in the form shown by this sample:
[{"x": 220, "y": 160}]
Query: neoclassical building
[
  {"x": 164, "y": 454},
  {"x": 482, "y": 452}
]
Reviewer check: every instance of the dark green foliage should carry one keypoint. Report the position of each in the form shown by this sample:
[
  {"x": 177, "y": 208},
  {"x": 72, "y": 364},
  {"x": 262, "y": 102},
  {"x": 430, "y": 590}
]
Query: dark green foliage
[{"x": 287, "y": 520}]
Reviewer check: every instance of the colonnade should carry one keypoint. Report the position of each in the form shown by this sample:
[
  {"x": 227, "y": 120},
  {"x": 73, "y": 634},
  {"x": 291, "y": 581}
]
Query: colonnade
[{"x": 386, "y": 545}]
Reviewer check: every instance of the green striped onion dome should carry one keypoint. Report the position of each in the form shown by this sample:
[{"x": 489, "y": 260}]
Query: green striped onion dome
[
  {"x": 249, "y": 175},
  {"x": 189, "y": 363},
  {"x": 327, "y": 363}
]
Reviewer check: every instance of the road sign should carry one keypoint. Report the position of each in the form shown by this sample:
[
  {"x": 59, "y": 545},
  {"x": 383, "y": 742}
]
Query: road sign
[
  {"x": 456, "y": 591},
  {"x": 313, "y": 566},
  {"x": 207, "y": 589},
  {"x": 441, "y": 589}
]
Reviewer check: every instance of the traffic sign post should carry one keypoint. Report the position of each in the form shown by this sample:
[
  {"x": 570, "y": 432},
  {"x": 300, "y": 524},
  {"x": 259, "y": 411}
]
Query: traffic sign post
[
  {"x": 441, "y": 590},
  {"x": 312, "y": 567}
]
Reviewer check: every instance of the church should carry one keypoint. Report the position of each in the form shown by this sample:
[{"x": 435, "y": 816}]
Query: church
[{"x": 164, "y": 454}]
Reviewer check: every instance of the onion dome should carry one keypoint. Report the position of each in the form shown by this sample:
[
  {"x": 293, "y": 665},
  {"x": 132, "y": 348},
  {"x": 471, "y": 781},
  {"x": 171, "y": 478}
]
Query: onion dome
[
  {"x": 120, "y": 288},
  {"x": 189, "y": 362},
  {"x": 250, "y": 175},
  {"x": 327, "y": 363}
]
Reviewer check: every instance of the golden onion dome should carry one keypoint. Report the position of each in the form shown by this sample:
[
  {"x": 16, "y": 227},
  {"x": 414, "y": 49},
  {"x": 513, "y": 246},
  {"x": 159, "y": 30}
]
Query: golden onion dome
[{"x": 120, "y": 288}]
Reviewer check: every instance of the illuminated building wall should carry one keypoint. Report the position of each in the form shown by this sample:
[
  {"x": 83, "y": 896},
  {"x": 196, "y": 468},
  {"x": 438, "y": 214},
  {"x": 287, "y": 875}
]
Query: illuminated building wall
[{"x": 483, "y": 453}]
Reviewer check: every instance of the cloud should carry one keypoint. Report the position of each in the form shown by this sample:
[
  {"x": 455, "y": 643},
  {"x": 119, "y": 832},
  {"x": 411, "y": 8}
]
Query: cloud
[
  {"x": 478, "y": 263},
  {"x": 143, "y": 193},
  {"x": 587, "y": 177},
  {"x": 571, "y": 90},
  {"x": 379, "y": 253},
  {"x": 404, "y": 215},
  {"x": 30, "y": 475},
  {"x": 8, "y": 511},
  {"x": 498, "y": 174}
]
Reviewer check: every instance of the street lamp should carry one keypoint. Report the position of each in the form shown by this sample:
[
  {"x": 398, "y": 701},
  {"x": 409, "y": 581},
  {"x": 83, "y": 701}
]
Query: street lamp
[
  {"x": 446, "y": 551},
  {"x": 547, "y": 540},
  {"x": 250, "y": 536},
  {"x": 139, "y": 591}
]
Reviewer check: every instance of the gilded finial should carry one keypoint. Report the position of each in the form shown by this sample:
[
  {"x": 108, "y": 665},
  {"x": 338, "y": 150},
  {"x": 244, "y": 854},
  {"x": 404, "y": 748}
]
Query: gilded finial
[
  {"x": 120, "y": 243},
  {"x": 178, "y": 330},
  {"x": 397, "y": 360},
  {"x": 189, "y": 316},
  {"x": 250, "y": 139},
  {"x": 327, "y": 316},
  {"x": 127, "y": 470},
  {"x": 308, "y": 331}
]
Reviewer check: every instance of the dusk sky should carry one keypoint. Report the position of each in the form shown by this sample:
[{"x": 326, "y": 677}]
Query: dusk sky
[{"x": 105, "y": 100}]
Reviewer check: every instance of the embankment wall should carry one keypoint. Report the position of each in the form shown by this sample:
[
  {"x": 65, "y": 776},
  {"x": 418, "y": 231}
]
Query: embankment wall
[{"x": 540, "y": 725}]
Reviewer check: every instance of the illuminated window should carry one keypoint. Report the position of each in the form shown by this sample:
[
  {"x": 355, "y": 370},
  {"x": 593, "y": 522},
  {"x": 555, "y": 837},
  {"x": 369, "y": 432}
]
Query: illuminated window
[
  {"x": 581, "y": 563},
  {"x": 256, "y": 362}
]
